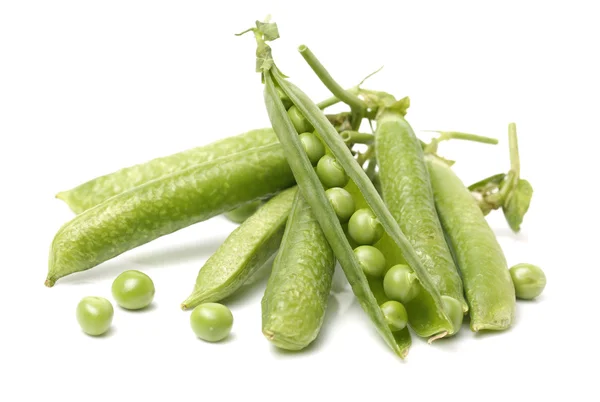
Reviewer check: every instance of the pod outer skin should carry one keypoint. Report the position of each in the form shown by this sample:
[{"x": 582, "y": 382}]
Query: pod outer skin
[
  {"x": 407, "y": 192},
  {"x": 95, "y": 191},
  {"x": 294, "y": 303},
  {"x": 165, "y": 205},
  {"x": 488, "y": 285},
  {"x": 244, "y": 251}
]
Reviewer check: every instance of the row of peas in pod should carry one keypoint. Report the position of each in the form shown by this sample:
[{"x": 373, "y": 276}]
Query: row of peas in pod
[{"x": 410, "y": 237}]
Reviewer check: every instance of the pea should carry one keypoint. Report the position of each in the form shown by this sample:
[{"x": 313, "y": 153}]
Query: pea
[
  {"x": 529, "y": 280},
  {"x": 133, "y": 290},
  {"x": 287, "y": 103},
  {"x": 298, "y": 120},
  {"x": 313, "y": 146},
  {"x": 400, "y": 283},
  {"x": 331, "y": 173},
  {"x": 364, "y": 227},
  {"x": 395, "y": 314},
  {"x": 240, "y": 214},
  {"x": 371, "y": 260},
  {"x": 211, "y": 322},
  {"x": 454, "y": 310},
  {"x": 94, "y": 315},
  {"x": 342, "y": 203}
]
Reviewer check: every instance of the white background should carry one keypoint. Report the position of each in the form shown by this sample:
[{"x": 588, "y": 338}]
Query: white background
[{"x": 89, "y": 87}]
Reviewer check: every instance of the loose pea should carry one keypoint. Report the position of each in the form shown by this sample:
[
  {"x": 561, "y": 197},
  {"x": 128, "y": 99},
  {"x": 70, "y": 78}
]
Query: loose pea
[
  {"x": 529, "y": 280},
  {"x": 299, "y": 121},
  {"x": 313, "y": 146},
  {"x": 211, "y": 322},
  {"x": 400, "y": 283},
  {"x": 364, "y": 227},
  {"x": 133, "y": 290},
  {"x": 454, "y": 310},
  {"x": 331, "y": 173},
  {"x": 342, "y": 203},
  {"x": 371, "y": 260},
  {"x": 94, "y": 315},
  {"x": 395, "y": 315}
]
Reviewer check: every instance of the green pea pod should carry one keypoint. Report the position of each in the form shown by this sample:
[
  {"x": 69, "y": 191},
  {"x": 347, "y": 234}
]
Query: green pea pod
[
  {"x": 294, "y": 303},
  {"x": 407, "y": 192},
  {"x": 165, "y": 205},
  {"x": 313, "y": 192},
  {"x": 95, "y": 191},
  {"x": 488, "y": 285},
  {"x": 246, "y": 249}
]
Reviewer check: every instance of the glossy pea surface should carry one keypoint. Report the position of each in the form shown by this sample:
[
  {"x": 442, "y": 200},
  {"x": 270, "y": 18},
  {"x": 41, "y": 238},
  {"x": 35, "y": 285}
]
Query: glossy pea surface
[
  {"x": 94, "y": 315},
  {"x": 529, "y": 281},
  {"x": 364, "y": 227},
  {"x": 331, "y": 173},
  {"x": 395, "y": 314},
  {"x": 133, "y": 290},
  {"x": 211, "y": 322},
  {"x": 342, "y": 203},
  {"x": 298, "y": 120},
  {"x": 371, "y": 260},
  {"x": 400, "y": 283},
  {"x": 313, "y": 146}
]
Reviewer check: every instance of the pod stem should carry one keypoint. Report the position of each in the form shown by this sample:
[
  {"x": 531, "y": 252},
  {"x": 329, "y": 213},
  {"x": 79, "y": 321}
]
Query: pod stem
[
  {"x": 354, "y": 137},
  {"x": 357, "y": 105},
  {"x": 456, "y": 135}
]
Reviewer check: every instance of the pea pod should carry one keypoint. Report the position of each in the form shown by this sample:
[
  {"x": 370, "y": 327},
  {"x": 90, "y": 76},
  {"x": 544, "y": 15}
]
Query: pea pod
[
  {"x": 165, "y": 205},
  {"x": 407, "y": 192},
  {"x": 488, "y": 285},
  {"x": 313, "y": 191},
  {"x": 246, "y": 249},
  {"x": 294, "y": 303},
  {"x": 95, "y": 191}
]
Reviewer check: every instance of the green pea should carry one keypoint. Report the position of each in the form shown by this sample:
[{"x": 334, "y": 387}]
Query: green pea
[
  {"x": 240, "y": 214},
  {"x": 211, "y": 322},
  {"x": 342, "y": 203},
  {"x": 331, "y": 173},
  {"x": 371, "y": 260},
  {"x": 395, "y": 315},
  {"x": 529, "y": 280},
  {"x": 454, "y": 311},
  {"x": 300, "y": 123},
  {"x": 94, "y": 315},
  {"x": 313, "y": 146},
  {"x": 364, "y": 227},
  {"x": 400, "y": 283},
  {"x": 287, "y": 103},
  {"x": 133, "y": 290}
]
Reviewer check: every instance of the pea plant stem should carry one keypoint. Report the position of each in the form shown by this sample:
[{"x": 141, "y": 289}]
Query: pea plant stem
[{"x": 354, "y": 137}]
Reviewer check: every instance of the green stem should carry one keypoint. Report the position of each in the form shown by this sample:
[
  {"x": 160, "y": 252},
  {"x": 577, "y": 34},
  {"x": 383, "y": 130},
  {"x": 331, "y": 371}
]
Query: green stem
[
  {"x": 354, "y": 137},
  {"x": 358, "y": 106},
  {"x": 457, "y": 135},
  {"x": 334, "y": 100},
  {"x": 362, "y": 158},
  {"x": 513, "y": 145}
]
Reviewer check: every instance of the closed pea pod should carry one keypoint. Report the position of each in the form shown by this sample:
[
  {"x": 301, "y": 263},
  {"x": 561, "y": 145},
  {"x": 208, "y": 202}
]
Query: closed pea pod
[
  {"x": 95, "y": 191},
  {"x": 244, "y": 251},
  {"x": 488, "y": 286},
  {"x": 294, "y": 303},
  {"x": 407, "y": 191},
  {"x": 166, "y": 205}
]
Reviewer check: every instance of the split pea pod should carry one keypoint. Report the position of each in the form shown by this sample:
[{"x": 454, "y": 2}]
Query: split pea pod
[
  {"x": 294, "y": 303},
  {"x": 313, "y": 191},
  {"x": 488, "y": 285},
  {"x": 165, "y": 205},
  {"x": 245, "y": 251},
  {"x": 407, "y": 192},
  {"x": 95, "y": 191}
]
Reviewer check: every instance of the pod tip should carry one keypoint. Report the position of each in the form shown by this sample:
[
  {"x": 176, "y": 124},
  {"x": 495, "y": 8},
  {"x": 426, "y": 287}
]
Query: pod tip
[
  {"x": 49, "y": 282},
  {"x": 184, "y": 306},
  {"x": 437, "y": 336}
]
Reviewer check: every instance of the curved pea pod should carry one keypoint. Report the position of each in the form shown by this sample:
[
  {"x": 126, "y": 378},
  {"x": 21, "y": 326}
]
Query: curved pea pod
[
  {"x": 294, "y": 303},
  {"x": 407, "y": 193},
  {"x": 165, "y": 205},
  {"x": 245, "y": 251},
  {"x": 488, "y": 285},
  {"x": 95, "y": 191}
]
